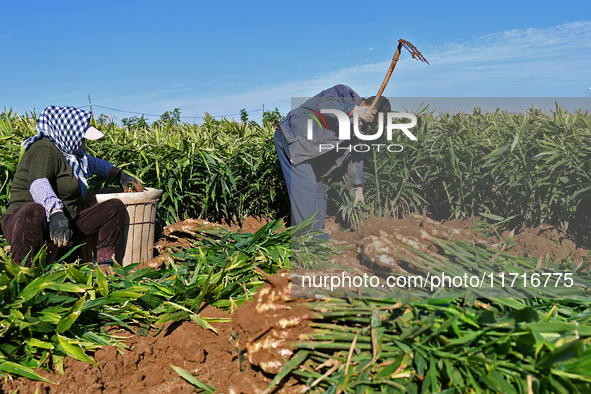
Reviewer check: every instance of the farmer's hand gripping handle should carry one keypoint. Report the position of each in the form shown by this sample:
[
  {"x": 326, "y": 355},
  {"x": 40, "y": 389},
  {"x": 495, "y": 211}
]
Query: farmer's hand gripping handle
[{"x": 365, "y": 114}]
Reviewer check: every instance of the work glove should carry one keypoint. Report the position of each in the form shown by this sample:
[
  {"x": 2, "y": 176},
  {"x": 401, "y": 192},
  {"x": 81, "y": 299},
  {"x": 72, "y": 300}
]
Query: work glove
[
  {"x": 358, "y": 196},
  {"x": 59, "y": 229},
  {"x": 365, "y": 114},
  {"x": 127, "y": 179}
]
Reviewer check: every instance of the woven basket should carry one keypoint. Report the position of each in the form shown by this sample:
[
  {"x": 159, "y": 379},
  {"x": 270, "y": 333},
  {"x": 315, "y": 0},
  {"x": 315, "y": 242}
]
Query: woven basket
[{"x": 137, "y": 243}]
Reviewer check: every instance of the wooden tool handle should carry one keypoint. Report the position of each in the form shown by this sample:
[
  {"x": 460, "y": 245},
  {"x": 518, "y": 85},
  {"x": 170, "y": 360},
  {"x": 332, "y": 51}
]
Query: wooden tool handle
[{"x": 388, "y": 74}]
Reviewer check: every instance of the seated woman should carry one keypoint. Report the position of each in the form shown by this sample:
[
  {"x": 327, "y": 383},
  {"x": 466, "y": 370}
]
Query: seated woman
[{"x": 51, "y": 177}]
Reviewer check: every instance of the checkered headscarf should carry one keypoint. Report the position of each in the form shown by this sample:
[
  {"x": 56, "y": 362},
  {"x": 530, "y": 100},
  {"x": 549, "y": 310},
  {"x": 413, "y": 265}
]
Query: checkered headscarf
[{"x": 65, "y": 127}]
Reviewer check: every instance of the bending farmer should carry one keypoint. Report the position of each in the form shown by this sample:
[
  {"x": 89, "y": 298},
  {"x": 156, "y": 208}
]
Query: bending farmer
[
  {"x": 316, "y": 138},
  {"x": 50, "y": 178}
]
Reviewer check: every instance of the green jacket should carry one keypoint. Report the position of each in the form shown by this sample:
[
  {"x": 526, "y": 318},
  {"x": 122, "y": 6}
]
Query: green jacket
[{"x": 44, "y": 160}]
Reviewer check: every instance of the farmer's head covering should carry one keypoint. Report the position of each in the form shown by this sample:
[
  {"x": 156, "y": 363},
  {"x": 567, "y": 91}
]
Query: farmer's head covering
[{"x": 66, "y": 128}]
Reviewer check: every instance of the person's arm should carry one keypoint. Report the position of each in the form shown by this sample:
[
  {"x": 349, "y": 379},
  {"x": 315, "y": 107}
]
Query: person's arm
[
  {"x": 355, "y": 179},
  {"x": 41, "y": 169},
  {"x": 355, "y": 168},
  {"x": 43, "y": 194},
  {"x": 100, "y": 167},
  {"x": 355, "y": 176},
  {"x": 339, "y": 97},
  {"x": 355, "y": 172},
  {"x": 105, "y": 169}
]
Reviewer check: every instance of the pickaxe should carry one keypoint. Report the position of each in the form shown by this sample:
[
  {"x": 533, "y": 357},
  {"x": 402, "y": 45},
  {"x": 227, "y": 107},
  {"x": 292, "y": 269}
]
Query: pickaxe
[{"x": 415, "y": 55}]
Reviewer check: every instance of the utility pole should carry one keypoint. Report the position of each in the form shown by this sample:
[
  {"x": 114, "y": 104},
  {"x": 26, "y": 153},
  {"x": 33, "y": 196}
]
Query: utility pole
[{"x": 90, "y": 103}]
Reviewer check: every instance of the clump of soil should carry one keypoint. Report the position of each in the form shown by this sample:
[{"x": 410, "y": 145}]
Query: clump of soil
[
  {"x": 375, "y": 243},
  {"x": 382, "y": 240},
  {"x": 546, "y": 240}
]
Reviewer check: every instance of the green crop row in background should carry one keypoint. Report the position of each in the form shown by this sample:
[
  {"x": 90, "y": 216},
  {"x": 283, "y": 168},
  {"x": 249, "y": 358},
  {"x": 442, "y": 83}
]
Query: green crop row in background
[{"x": 534, "y": 166}]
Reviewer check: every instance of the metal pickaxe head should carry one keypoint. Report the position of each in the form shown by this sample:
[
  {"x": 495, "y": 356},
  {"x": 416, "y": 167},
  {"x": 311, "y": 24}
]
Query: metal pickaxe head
[
  {"x": 413, "y": 50},
  {"x": 415, "y": 55}
]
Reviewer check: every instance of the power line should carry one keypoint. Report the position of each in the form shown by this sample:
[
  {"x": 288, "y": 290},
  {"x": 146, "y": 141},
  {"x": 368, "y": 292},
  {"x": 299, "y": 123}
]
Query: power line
[{"x": 183, "y": 117}]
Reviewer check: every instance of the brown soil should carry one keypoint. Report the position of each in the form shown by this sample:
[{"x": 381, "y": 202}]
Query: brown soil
[
  {"x": 418, "y": 230},
  {"x": 250, "y": 225},
  {"x": 244, "y": 355},
  {"x": 552, "y": 241},
  {"x": 378, "y": 246},
  {"x": 241, "y": 357}
]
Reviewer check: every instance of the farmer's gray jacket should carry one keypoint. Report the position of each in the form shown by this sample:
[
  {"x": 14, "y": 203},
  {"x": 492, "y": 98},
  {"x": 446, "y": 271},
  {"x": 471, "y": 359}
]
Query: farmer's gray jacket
[{"x": 325, "y": 131}]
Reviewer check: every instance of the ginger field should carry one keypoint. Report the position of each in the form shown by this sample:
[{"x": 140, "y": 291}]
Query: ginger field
[{"x": 219, "y": 308}]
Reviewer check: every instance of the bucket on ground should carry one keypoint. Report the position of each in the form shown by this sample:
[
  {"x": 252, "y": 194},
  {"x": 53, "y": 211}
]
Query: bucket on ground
[{"x": 137, "y": 242}]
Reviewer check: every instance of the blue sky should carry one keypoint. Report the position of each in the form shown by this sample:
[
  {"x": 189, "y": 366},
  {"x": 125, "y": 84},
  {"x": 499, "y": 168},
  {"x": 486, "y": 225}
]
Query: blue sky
[{"x": 219, "y": 57}]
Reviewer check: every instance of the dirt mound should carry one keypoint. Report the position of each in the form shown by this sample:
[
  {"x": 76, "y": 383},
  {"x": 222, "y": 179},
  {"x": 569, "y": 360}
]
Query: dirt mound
[
  {"x": 378, "y": 246},
  {"x": 377, "y": 239},
  {"x": 550, "y": 241}
]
